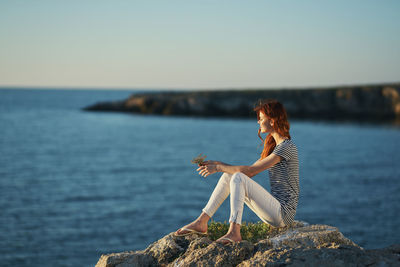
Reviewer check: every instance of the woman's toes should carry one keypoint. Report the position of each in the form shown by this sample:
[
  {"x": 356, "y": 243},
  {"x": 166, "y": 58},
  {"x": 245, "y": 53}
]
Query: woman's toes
[
  {"x": 182, "y": 231},
  {"x": 228, "y": 239},
  {"x": 191, "y": 227},
  {"x": 225, "y": 241}
]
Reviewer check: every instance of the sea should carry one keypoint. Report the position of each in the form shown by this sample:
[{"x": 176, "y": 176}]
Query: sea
[{"x": 76, "y": 184}]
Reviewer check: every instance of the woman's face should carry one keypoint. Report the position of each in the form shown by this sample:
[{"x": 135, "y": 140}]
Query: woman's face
[{"x": 266, "y": 124}]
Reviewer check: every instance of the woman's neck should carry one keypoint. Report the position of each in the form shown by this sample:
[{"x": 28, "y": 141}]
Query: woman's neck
[{"x": 278, "y": 138}]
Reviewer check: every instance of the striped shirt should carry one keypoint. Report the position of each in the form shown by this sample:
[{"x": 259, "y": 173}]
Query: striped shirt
[{"x": 284, "y": 179}]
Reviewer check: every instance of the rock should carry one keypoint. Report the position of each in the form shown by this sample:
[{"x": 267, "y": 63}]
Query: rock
[
  {"x": 341, "y": 255},
  {"x": 168, "y": 248},
  {"x": 125, "y": 259},
  {"x": 372, "y": 102},
  {"x": 215, "y": 254},
  {"x": 298, "y": 245},
  {"x": 313, "y": 236}
]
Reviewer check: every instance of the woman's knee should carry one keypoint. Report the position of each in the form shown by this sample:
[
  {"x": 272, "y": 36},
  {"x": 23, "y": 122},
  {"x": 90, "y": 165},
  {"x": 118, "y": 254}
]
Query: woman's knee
[
  {"x": 237, "y": 177},
  {"x": 226, "y": 177}
]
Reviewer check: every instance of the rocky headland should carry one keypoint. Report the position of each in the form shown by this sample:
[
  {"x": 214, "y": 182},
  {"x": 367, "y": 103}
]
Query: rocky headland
[
  {"x": 297, "y": 245},
  {"x": 365, "y": 102}
]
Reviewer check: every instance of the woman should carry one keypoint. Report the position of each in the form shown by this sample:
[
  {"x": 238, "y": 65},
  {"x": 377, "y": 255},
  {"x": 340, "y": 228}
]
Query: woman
[{"x": 279, "y": 156}]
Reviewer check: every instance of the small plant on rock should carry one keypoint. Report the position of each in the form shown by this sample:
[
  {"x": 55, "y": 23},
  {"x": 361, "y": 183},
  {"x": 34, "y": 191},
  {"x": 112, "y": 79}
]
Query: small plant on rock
[{"x": 251, "y": 232}]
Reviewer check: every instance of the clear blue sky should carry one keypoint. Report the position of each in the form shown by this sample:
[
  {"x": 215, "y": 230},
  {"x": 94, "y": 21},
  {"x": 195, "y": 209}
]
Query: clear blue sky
[{"x": 198, "y": 44}]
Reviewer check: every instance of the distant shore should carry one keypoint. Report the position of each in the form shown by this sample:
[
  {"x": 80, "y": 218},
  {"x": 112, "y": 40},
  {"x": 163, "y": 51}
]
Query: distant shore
[{"x": 378, "y": 102}]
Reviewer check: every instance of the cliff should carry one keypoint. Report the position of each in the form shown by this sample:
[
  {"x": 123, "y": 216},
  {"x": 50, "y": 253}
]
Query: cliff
[
  {"x": 372, "y": 102},
  {"x": 298, "y": 245}
]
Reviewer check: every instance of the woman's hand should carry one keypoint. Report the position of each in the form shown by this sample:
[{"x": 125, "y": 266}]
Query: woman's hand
[
  {"x": 210, "y": 162},
  {"x": 207, "y": 169}
]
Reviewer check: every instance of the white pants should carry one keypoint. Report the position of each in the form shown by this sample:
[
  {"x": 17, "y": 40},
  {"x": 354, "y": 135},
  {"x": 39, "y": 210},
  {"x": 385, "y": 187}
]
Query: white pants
[{"x": 245, "y": 190}]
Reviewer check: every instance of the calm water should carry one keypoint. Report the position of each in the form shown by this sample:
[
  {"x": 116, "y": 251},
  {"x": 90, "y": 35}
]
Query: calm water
[{"x": 76, "y": 184}]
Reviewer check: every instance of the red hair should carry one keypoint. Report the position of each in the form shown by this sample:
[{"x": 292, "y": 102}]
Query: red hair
[{"x": 276, "y": 112}]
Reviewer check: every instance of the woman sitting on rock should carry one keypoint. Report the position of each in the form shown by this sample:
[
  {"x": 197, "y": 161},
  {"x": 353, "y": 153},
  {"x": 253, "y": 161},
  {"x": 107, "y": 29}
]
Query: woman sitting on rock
[{"x": 279, "y": 156}]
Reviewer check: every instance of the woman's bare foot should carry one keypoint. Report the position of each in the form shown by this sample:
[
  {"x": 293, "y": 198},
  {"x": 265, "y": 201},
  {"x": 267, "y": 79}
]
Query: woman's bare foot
[
  {"x": 200, "y": 225},
  {"x": 232, "y": 234},
  {"x": 195, "y": 225}
]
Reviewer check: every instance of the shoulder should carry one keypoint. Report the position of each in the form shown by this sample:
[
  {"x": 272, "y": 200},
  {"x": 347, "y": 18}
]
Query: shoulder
[
  {"x": 286, "y": 144},
  {"x": 291, "y": 146},
  {"x": 286, "y": 149}
]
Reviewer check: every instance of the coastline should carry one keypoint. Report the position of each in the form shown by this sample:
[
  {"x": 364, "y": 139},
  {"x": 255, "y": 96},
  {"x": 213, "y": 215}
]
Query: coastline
[{"x": 354, "y": 103}]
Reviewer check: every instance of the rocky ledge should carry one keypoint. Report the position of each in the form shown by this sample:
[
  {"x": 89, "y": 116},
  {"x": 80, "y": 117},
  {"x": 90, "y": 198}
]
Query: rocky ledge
[
  {"x": 371, "y": 103},
  {"x": 298, "y": 245}
]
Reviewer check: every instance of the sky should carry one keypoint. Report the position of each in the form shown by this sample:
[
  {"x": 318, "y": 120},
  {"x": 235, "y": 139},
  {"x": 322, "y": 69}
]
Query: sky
[{"x": 199, "y": 44}]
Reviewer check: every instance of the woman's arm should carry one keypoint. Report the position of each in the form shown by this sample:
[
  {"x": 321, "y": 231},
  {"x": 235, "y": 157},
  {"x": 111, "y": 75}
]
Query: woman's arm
[
  {"x": 252, "y": 170},
  {"x": 212, "y": 162}
]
